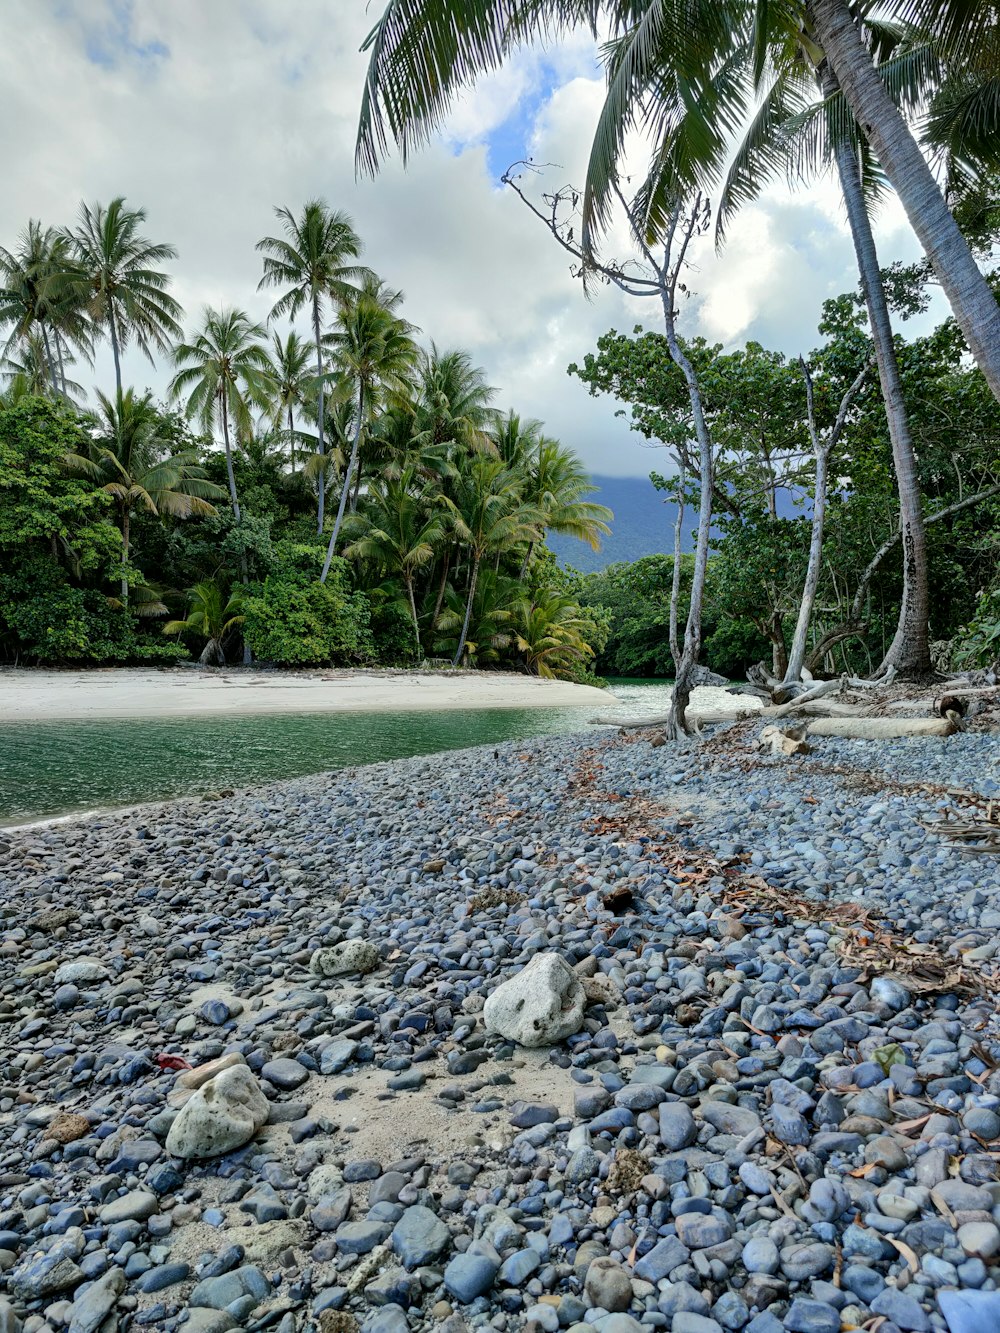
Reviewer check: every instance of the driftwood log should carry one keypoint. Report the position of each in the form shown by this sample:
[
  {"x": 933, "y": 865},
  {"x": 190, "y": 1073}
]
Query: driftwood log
[
  {"x": 781, "y": 742},
  {"x": 883, "y": 728}
]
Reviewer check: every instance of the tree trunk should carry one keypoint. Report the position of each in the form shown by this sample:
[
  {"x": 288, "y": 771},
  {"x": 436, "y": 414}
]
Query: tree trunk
[
  {"x": 798, "y": 651},
  {"x": 910, "y": 650},
  {"x": 237, "y": 513},
  {"x": 468, "y": 610},
  {"x": 115, "y": 353},
  {"x": 407, "y": 579},
  {"x": 441, "y": 587},
  {"x": 291, "y": 435},
  {"x": 50, "y": 362},
  {"x": 969, "y": 295},
  {"x": 357, "y": 489},
  {"x": 683, "y": 680},
  {"x": 346, "y": 489},
  {"x": 675, "y": 575},
  {"x": 321, "y": 496},
  {"x": 526, "y": 561},
  {"x": 126, "y": 523}
]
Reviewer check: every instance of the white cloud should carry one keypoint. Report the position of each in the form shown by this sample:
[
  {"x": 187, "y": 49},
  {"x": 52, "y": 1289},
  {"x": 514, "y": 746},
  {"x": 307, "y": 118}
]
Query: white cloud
[{"x": 211, "y": 114}]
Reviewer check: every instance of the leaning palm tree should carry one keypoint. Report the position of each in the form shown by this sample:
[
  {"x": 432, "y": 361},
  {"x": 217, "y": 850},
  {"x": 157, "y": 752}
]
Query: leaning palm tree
[
  {"x": 221, "y": 375},
  {"x": 27, "y": 372},
  {"x": 124, "y": 289},
  {"x": 131, "y": 461},
  {"x": 558, "y": 483},
  {"x": 315, "y": 263},
  {"x": 375, "y": 350},
  {"x": 211, "y": 616},
  {"x": 673, "y": 53}
]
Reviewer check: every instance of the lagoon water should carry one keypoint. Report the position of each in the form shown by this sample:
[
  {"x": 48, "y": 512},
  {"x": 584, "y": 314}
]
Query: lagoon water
[{"x": 54, "y": 768}]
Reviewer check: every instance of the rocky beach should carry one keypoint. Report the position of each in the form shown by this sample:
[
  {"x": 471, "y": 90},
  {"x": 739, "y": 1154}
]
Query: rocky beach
[{"x": 584, "y": 1032}]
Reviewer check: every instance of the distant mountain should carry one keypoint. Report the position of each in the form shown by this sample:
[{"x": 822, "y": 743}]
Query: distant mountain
[{"x": 643, "y": 524}]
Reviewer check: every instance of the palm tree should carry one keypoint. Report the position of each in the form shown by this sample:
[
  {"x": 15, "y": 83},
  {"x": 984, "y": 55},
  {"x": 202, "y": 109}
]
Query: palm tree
[
  {"x": 221, "y": 374},
  {"x": 454, "y": 408},
  {"x": 666, "y": 57},
  {"x": 212, "y": 616},
  {"x": 125, "y": 291},
  {"x": 314, "y": 263},
  {"x": 550, "y": 634},
  {"x": 399, "y": 535},
  {"x": 131, "y": 461},
  {"x": 375, "y": 350},
  {"x": 490, "y": 517},
  {"x": 290, "y": 383},
  {"x": 27, "y": 371},
  {"x": 38, "y": 283},
  {"x": 557, "y": 483}
]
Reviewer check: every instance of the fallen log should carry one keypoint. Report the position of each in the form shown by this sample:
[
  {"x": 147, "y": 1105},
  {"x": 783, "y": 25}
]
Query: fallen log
[
  {"x": 882, "y": 728},
  {"x": 696, "y": 717}
]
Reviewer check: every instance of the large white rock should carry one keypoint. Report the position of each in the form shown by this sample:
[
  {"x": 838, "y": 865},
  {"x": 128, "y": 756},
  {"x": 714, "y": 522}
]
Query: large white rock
[
  {"x": 542, "y": 1005},
  {"x": 81, "y": 969},
  {"x": 222, "y": 1115},
  {"x": 344, "y": 959}
]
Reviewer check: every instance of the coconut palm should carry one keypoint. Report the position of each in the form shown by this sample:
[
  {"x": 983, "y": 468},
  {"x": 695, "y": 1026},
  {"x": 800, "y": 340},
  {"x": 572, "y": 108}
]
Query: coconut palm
[
  {"x": 221, "y": 376},
  {"x": 131, "y": 461},
  {"x": 39, "y": 305},
  {"x": 121, "y": 284},
  {"x": 290, "y": 383},
  {"x": 490, "y": 628},
  {"x": 374, "y": 349},
  {"x": 315, "y": 264},
  {"x": 490, "y": 517},
  {"x": 27, "y": 372},
  {"x": 212, "y": 616},
  {"x": 398, "y": 534},
  {"x": 454, "y": 405},
  {"x": 668, "y": 56}
]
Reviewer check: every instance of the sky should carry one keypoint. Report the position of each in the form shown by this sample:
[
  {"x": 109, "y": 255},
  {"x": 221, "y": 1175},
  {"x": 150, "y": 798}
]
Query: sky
[{"x": 209, "y": 115}]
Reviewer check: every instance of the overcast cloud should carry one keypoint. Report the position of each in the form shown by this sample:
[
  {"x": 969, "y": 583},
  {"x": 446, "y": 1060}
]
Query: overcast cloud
[{"x": 210, "y": 114}]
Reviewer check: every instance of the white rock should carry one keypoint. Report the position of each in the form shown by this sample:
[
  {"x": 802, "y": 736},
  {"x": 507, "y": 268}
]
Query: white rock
[
  {"x": 341, "y": 960},
  {"x": 542, "y": 1005},
  {"x": 80, "y": 969},
  {"x": 223, "y": 1114}
]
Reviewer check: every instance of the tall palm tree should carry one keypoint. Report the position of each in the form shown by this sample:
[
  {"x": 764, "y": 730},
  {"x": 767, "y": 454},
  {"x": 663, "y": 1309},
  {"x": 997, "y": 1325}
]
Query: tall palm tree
[
  {"x": 374, "y": 349},
  {"x": 124, "y": 289},
  {"x": 26, "y": 371},
  {"x": 398, "y": 534},
  {"x": 132, "y": 463},
  {"x": 491, "y": 517},
  {"x": 670, "y": 55},
  {"x": 290, "y": 383},
  {"x": 221, "y": 375},
  {"x": 454, "y": 407},
  {"x": 315, "y": 263},
  {"x": 38, "y": 301}
]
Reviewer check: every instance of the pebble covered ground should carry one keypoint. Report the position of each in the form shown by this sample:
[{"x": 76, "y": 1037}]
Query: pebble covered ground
[{"x": 777, "y": 1105}]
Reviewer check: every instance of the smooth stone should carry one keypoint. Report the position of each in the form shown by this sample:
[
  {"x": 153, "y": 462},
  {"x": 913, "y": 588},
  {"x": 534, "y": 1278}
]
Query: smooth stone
[
  {"x": 419, "y": 1237},
  {"x": 223, "y": 1114},
  {"x": 607, "y": 1286}
]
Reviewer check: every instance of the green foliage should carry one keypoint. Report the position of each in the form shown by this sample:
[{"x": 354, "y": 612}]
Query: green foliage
[
  {"x": 291, "y": 619},
  {"x": 636, "y": 600}
]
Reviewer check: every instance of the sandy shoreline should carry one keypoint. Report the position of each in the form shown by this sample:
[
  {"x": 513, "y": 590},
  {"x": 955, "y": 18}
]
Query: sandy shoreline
[{"x": 37, "y": 696}]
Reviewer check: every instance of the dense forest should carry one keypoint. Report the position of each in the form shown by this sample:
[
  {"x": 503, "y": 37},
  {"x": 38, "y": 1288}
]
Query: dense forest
[
  {"x": 330, "y": 493},
  {"x": 329, "y": 490}
]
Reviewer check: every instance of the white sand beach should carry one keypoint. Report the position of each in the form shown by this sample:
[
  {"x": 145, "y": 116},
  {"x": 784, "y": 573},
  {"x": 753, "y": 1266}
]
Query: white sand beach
[{"x": 35, "y": 696}]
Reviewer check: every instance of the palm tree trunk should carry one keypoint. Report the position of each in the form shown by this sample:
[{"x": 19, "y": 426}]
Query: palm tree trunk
[
  {"x": 321, "y": 497},
  {"x": 910, "y": 650},
  {"x": 291, "y": 435},
  {"x": 126, "y": 524},
  {"x": 50, "y": 362},
  {"x": 60, "y": 362},
  {"x": 468, "y": 609},
  {"x": 230, "y": 473},
  {"x": 441, "y": 587},
  {"x": 357, "y": 489},
  {"x": 797, "y": 655},
  {"x": 346, "y": 489},
  {"x": 971, "y": 300},
  {"x": 115, "y": 353},
  {"x": 526, "y": 561},
  {"x": 413, "y": 612}
]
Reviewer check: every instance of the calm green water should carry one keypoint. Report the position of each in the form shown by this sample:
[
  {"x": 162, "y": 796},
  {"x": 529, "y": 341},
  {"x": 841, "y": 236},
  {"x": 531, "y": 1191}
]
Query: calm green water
[{"x": 51, "y": 768}]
